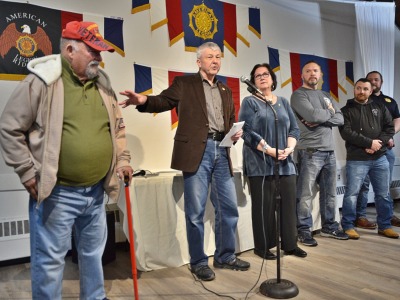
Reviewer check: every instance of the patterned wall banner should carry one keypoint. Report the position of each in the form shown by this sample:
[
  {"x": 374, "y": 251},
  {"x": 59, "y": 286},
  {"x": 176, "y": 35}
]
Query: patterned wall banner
[
  {"x": 198, "y": 21},
  {"x": 151, "y": 80},
  {"x": 29, "y": 31},
  {"x": 289, "y": 67}
]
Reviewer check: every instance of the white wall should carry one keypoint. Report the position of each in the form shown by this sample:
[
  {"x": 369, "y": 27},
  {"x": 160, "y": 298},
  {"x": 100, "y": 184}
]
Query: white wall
[{"x": 295, "y": 26}]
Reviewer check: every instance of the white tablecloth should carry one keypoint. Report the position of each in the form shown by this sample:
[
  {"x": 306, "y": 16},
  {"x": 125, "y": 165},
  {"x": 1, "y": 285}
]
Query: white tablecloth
[{"x": 159, "y": 221}]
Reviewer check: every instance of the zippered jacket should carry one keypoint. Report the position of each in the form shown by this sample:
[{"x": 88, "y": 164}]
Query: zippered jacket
[{"x": 32, "y": 121}]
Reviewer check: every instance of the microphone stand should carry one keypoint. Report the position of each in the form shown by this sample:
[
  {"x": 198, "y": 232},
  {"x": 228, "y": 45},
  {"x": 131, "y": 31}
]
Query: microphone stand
[{"x": 276, "y": 288}]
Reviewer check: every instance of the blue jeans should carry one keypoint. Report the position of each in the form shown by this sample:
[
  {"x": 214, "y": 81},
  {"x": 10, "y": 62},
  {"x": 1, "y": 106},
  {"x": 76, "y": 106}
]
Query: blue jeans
[
  {"x": 378, "y": 171},
  {"x": 50, "y": 235},
  {"x": 317, "y": 168},
  {"x": 213, "y": 171},
  {"x": 362, "y": 199}
]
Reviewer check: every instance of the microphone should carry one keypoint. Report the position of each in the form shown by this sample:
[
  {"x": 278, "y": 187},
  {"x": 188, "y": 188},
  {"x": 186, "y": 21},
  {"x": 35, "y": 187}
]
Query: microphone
[
  {"x": 140, "y": 173},
  {"x": 251, "y": 87}
]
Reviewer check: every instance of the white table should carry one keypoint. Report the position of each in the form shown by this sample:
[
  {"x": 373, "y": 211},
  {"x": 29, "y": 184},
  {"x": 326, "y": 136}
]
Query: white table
[{"x": 159, "y": 221}]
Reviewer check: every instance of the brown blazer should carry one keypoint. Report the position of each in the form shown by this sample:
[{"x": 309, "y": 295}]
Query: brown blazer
[{"x": 186, "y": 93}]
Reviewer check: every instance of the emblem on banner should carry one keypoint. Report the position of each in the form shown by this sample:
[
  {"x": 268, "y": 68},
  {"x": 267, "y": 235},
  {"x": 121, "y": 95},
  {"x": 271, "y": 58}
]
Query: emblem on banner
[
  {"x": 25, "y": 42},
  {"x": 203, "y": 21}
]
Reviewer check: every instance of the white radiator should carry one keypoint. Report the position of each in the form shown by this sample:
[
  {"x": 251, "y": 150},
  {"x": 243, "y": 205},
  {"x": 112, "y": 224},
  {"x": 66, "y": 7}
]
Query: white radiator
[{"x": 14, "y": 225}]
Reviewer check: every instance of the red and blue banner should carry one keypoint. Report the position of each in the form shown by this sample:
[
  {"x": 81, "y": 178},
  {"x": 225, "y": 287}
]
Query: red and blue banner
[
  {"x": 203, "y": 21},
  {"x": 150, "y": 80},
  {"x": 349, "y": 72},
  {"x": 199, "y": 21},
  {"x": 288, "y": 67}
]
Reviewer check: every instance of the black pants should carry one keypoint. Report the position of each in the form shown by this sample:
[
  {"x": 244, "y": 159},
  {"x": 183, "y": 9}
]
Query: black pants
[{"x": 263, "y": 212}]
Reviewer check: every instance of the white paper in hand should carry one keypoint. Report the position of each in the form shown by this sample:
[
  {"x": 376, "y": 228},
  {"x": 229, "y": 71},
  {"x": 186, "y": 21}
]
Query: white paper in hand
[{"x": 227, "y": 141}]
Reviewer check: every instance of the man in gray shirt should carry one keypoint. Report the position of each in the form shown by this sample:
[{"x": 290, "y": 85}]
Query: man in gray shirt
[{"x": 316, "y": 114}]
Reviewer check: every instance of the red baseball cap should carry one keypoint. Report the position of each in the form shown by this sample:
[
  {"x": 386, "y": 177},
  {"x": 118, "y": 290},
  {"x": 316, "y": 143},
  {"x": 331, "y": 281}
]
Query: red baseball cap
[{"x": 87, "y": 32}]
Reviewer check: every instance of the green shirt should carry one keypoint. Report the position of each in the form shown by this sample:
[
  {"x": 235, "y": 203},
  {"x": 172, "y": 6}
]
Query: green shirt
[{"x": 86, "y": 145}]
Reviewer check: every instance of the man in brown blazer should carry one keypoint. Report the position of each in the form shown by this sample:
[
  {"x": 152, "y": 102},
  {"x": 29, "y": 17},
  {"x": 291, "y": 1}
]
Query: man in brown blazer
[{"x": 206, "y": 113}]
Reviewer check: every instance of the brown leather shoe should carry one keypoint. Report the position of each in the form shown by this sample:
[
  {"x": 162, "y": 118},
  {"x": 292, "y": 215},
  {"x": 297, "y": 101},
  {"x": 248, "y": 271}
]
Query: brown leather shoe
[
  {"x": 395, "y": 221},
  {"x": 389, "y": 232},
  {"x": 363, "y": 222}
]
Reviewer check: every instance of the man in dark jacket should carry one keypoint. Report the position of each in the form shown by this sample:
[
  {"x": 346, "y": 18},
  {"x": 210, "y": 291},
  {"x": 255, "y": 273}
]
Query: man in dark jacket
[
  {"x": 206, "y": 113},
  {"x": 367, "y": 128},
  {"x": 376, "y": 80}
]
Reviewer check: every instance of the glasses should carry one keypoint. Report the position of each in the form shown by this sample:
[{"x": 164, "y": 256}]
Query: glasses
[{"x": 263, "y": 75}]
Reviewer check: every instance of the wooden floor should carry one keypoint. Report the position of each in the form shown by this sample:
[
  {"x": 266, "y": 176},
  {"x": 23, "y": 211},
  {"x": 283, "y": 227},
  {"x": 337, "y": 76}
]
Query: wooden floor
[{"x": 368, "y": 268}]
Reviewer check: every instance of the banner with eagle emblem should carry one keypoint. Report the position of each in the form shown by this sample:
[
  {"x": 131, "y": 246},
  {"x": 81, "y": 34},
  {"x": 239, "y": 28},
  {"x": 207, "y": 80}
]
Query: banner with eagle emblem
[{"x": 27, "y": 32}]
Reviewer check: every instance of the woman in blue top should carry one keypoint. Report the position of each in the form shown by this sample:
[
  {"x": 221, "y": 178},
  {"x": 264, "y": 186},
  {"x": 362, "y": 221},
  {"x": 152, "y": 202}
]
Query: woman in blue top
[{"x": 258, "y": 164}]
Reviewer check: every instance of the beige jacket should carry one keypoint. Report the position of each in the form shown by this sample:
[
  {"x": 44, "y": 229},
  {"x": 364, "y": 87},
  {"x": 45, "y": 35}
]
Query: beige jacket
[{"x": 31, "y": 127}]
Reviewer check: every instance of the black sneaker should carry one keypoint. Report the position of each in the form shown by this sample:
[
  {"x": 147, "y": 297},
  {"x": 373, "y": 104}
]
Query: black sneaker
[
  {"x": 306, "y": 239},
  {"x": 235, "y": 264},
  {"x": 336, "y": 234},
  {"x": 203, "y": 272}
]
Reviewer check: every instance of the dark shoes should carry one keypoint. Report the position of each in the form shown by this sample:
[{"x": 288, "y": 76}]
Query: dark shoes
[
  {"x": 363, "y": 222},
  {"x": 296, "y": 252},
  {"x": 203, "y": 272},
  {"x": 395, "y": 221},
  {"x": 236, "y": 264},
  {"x": 267, "y": 255},
  {"x": 336, "y": 234},
  {"x": 306, "y": 239}
]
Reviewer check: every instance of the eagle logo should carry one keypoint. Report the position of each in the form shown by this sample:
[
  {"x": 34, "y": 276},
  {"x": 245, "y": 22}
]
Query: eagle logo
[{"x": 26, "y": 43}]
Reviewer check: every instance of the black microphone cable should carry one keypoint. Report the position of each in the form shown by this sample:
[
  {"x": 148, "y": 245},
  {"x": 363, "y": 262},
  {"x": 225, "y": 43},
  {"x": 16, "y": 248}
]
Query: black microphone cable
[{"x": 263, "y": 227}]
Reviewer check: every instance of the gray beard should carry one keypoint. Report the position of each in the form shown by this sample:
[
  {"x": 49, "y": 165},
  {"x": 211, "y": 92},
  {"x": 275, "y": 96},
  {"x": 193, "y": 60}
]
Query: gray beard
[
  {"x": 313, "y": 83},
  {"x": 92, "y": 72}
]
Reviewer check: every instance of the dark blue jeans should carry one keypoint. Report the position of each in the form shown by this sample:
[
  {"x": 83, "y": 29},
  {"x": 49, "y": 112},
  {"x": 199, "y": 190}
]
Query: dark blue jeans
[
  {"x": 362, "y": 199},
  {"x": 378, "y": 171}
]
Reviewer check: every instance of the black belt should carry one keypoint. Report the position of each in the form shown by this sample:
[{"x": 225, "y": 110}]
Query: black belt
[
  {"x": 216, "y": 136},
  {"x": 313, "y": 150}
]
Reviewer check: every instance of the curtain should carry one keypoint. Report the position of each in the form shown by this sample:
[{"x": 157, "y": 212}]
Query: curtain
[{"x": 376, "y": 28}]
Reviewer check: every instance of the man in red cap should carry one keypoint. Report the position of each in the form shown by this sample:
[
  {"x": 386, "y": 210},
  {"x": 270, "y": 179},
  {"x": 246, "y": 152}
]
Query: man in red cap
[{"x": 63, "y": 133}]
